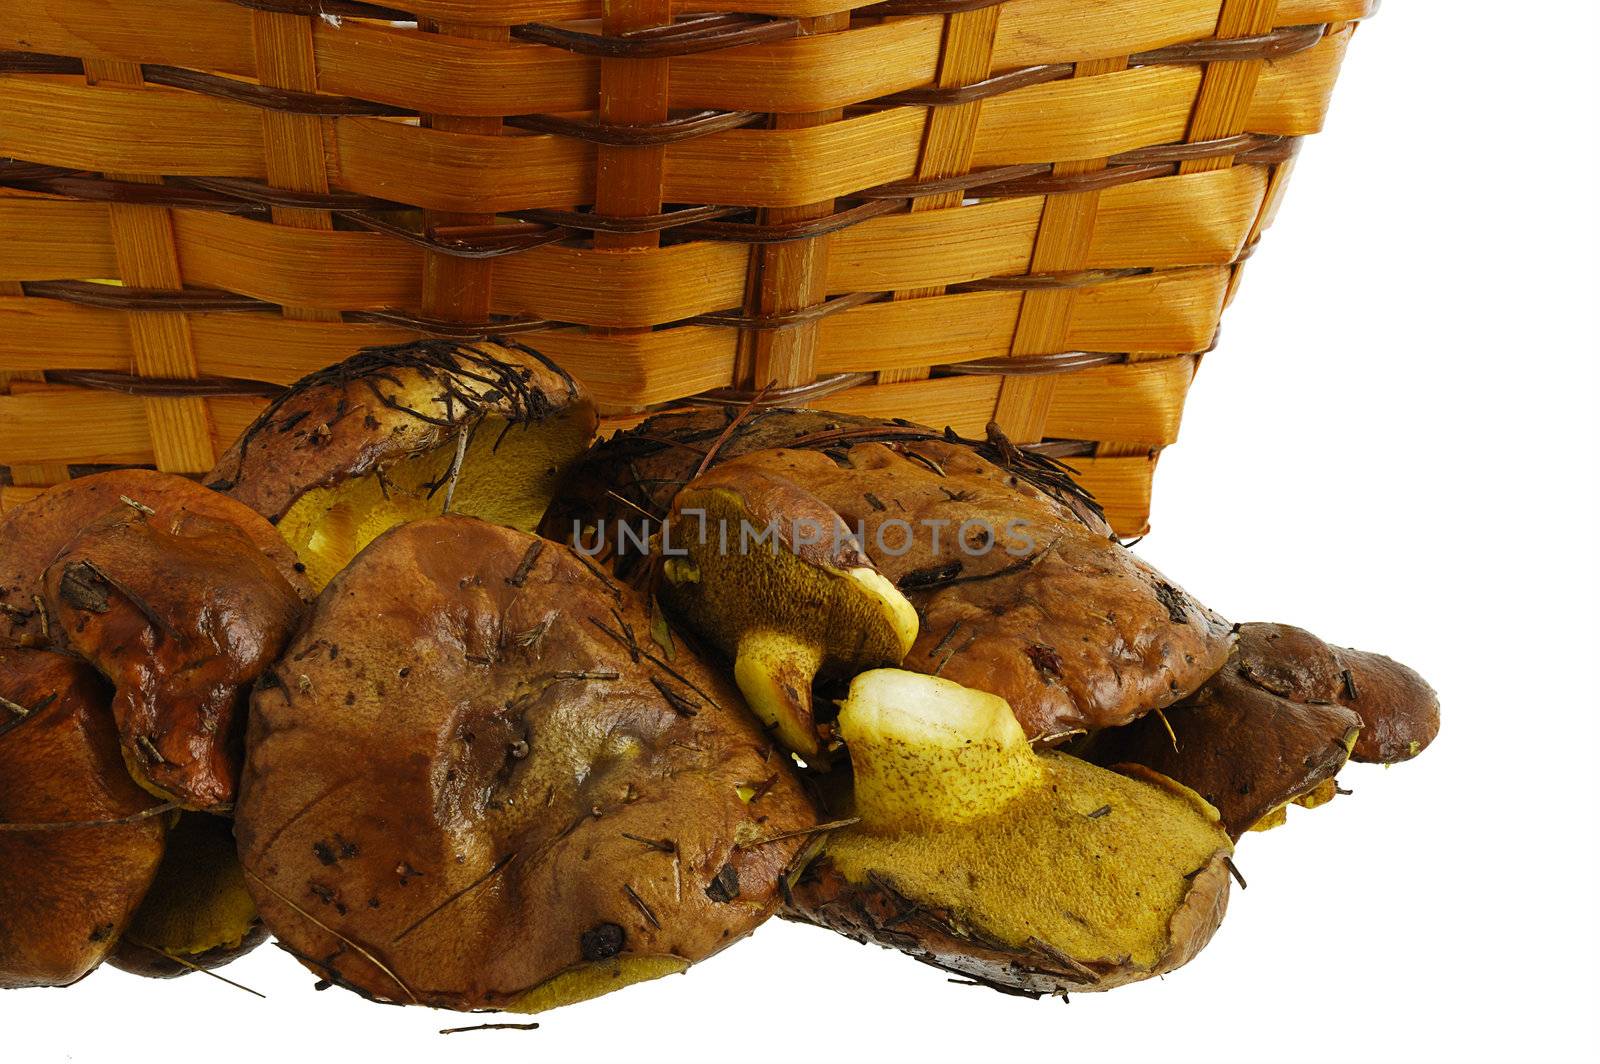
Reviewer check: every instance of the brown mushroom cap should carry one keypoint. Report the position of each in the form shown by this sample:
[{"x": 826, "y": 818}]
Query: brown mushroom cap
[
  {"x": 636, "y": 473},
  {"x": 1239, "y": 746},
  {"x": 1399, "y": 712},
  {"x": 34, "y": 534},
  {"x": 1035, "y": 872},
  {"x": 1014, "y": 596},
  {"x": 68, "y": 890},
  {"x": 182, "y": 613},
  {"x": 198, "y": 913},
  {"x": 398, "y": 433},
  {"x": 544, "y": 803}
]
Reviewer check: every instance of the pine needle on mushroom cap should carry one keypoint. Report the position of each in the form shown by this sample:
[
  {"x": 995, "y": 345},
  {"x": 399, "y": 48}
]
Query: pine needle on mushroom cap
[
  {"x": 519, "y": 733},
  {"x": 633, "y": 475},
  {"x": 398, "y": 433},
  {"x": 67, "y": 891},
  {"x": 1035, "y": 872}
]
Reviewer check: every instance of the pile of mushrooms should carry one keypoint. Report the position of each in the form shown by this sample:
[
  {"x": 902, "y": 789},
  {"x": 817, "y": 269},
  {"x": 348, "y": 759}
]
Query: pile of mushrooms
[{"x": 468, "y": 710}]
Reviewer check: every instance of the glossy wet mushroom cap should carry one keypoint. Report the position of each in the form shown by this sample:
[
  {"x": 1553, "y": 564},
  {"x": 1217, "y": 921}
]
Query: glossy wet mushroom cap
[
  {"x": 79, "y": 845},
  {"x": 1242, "y": 748},
  {"x": 182, "y": 613},
  {"x": 548, "y": 802},
  {"x": 633, "y": 475},
  {"x": 34, "y": 534}
]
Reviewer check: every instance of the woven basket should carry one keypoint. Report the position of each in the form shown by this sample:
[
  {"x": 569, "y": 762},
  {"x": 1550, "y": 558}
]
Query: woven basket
[{"x": 1031, "y": 211}]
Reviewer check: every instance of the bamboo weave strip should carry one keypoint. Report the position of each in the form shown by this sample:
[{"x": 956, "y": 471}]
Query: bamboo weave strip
[{"x": 1066, "y": 280}]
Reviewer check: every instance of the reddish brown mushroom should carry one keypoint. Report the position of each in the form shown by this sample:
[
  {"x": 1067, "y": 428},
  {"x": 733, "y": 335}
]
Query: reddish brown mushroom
[
  {"x": 182, "y": 613},
  {"x": 79, "y": 841}
]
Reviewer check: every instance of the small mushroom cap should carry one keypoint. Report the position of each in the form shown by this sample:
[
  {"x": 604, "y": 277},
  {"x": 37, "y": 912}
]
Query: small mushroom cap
[
  {"x": 1034, "y": 872},
  {"x": 66, "y": 891},
  {"x": 34, "y": 534},
  {"x": 1399, "y": 712},
  {"x": 198, "y": 913},
  {"x": 1239, "y": 746},
  {"x": 547, "y": 804},
  {"x": 182, "y": 613},
  {"x": 1015, "y": 596},
  {"x": 398, "y": 433}
]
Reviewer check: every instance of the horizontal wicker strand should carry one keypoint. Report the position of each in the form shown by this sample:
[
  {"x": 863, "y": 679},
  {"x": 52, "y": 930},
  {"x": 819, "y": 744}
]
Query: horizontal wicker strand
[{"x": 65, "y": 124}]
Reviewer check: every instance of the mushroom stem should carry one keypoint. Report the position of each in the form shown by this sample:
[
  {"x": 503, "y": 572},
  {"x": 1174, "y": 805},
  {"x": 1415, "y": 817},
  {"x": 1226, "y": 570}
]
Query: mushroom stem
[
  {"x": 927, "y": 750},
  {"x": 774, "y": 671}
]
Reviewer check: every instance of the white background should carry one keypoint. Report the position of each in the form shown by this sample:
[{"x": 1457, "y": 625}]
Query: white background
[{"x": 1395, "y": 447}]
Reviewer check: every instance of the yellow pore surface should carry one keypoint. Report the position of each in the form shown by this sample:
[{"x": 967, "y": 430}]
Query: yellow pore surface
[
  {"x": 959, "y": 813},
  {"x": 509, "y": 484}
]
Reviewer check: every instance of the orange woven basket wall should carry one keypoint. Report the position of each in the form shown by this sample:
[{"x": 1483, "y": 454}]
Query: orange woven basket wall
[{"x": 1030, "y": 211}]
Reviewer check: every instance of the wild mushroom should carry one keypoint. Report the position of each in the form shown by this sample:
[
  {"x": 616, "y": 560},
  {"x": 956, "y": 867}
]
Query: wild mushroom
[
  {"x": 182, "y": 613},
  {"x": 1399, "y": 712},
  {"x": 1019, "y": 587},
  {"x": 198, "y": 913},
  {"x": 397, "y": 433},
  {"x": 34, "y": 534},
  {"x": 79, "y": 841},
  {"x": 1242, "y": 748},
  {"x": 1035, "y": 872},
  {"x": 544, "y": 803}
]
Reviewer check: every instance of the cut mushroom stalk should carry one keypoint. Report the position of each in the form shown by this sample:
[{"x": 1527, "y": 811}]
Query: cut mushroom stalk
[
  {"x": 927, "y": 751},
  {"x": 774, "y": 671}
]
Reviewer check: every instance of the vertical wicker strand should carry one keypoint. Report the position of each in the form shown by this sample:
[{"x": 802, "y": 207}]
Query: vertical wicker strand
[
  {"x": 789, "y": 276},
  {"x": 454, "y": 288},
  {"x": 632, "y": 92},
  {"x": 1066, "y": 227},
  {"x": 147, "y": 257},
  {"x": 1226, "y": 92},
  {"x": 1228, "y": 87},
  {"x": 967, "y": 56},
  {"x": 285, "y": 59}
]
